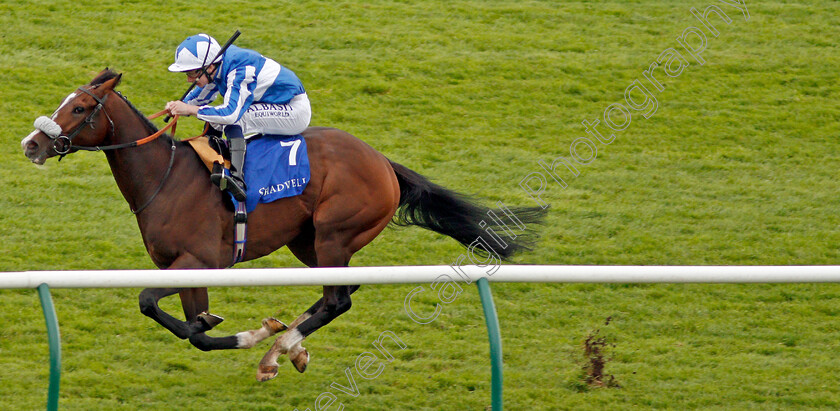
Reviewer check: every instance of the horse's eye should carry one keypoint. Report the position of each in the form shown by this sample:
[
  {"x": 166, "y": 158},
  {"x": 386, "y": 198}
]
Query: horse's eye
[{"x": 79, "y": 110}]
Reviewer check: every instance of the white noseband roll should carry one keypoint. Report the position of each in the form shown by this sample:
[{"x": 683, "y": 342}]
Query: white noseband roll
[{"x": 48, "y": 126}]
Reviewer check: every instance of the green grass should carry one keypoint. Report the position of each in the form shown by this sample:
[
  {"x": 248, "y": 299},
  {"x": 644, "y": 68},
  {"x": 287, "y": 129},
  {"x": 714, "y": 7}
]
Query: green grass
[{"x": 738, "y": 166}]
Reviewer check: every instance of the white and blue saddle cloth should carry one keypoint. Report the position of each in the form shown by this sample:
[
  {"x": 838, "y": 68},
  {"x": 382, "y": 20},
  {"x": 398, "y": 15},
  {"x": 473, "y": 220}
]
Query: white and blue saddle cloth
[{"x": 275, "y": 167}]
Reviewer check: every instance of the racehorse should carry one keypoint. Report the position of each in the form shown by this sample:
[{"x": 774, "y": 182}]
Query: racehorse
[{"x": 353, "y": 194}]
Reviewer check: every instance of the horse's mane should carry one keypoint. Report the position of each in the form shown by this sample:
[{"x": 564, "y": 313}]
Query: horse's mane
[
  {"x": 109, "y": 74},
  {"x": 142, "y": 116}
]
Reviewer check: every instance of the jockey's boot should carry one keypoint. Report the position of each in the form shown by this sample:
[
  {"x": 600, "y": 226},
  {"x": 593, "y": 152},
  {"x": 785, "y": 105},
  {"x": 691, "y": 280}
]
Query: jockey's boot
[
  {"x": 236, "y": 180},
  {"x": 233, "y": 182}
]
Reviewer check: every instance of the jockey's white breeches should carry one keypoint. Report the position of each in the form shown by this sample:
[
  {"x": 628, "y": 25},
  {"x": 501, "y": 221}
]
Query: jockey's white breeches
[{"x": 284, "y": 119}]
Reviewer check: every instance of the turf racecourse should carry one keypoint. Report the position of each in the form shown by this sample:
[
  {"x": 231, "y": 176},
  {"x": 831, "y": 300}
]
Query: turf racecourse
[{"x": 737, "y": 165}]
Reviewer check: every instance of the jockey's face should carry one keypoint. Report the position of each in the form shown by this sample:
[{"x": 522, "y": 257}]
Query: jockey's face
[{"x": 192, "y": 75}]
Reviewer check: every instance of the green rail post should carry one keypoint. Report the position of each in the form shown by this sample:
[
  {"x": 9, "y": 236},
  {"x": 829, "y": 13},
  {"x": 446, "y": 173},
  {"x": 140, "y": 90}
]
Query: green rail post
[
  {"x": 495, "y": 337},
  {"x": 55, "y": 345}
]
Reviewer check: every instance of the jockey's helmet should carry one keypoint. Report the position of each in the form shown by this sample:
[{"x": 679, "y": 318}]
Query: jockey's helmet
[{"x": 196, "y": 52}]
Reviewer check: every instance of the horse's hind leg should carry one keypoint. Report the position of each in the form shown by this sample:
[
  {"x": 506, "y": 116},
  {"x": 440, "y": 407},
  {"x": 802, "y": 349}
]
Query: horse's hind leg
[
  {"x": 332, "y": 306},
  {"x": 303, "y": 247},
  {"x": 339, "y": 229},
  {"x": 268, "y": 365},
  {"x": 336, "y": 301}
]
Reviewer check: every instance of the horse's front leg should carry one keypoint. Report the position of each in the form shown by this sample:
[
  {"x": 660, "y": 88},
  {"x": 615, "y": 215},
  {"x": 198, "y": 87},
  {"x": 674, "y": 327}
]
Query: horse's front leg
[
  {"x": 199, "y": 321},
  {"x": 194, "y": 301},
  {"x": 196, "y": 305},
  {"x": 182, "y": 329}
]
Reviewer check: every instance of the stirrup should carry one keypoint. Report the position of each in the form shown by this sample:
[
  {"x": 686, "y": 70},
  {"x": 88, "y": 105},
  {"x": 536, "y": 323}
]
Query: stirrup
[{"x": 235, "y": 187}]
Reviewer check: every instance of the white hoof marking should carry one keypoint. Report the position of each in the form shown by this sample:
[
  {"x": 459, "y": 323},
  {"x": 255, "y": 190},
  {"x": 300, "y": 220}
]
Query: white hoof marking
[
  {"x": 289, "y": 340},
  {"x": 248, "y": 339}
]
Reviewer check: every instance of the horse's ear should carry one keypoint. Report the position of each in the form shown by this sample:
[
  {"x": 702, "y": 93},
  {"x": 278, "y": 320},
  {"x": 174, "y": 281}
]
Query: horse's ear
[{"x": 111, "y": 84}]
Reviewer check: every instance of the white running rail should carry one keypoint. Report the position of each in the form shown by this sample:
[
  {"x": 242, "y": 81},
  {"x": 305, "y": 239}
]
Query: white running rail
[{"x": 421, "y": 274}]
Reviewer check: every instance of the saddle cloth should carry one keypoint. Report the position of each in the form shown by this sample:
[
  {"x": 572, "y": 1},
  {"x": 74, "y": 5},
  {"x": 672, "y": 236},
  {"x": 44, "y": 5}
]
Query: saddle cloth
[{"x": 275, "y": 166}]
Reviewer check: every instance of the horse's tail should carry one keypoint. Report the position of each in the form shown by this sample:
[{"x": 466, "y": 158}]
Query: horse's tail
[{"x": 428, "y": 205}]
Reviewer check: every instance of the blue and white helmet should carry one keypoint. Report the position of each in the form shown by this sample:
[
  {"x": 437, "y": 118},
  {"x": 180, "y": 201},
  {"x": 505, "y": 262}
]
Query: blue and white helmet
[{"x": 196, "y": 52}]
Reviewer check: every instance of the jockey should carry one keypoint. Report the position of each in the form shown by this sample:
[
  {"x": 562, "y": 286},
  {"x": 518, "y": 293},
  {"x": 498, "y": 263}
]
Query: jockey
[{"x": 260, "y": 97}]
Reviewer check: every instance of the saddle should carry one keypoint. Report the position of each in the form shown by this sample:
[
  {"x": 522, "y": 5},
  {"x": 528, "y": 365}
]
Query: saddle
[
  {"x": 276, "y": 166},
  {"x": 212, "y": 150}
]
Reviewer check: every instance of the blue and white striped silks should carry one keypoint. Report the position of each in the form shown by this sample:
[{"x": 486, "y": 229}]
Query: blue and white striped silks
[{"x": 243, "y": 78}]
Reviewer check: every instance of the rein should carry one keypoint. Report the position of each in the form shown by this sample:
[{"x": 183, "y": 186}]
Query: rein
[
  {"x": 140, "y": 142},
  {"x": 145, "y": 140},
  {"x": 63, "y": 143},
  {"x": 171, "y": 157}
]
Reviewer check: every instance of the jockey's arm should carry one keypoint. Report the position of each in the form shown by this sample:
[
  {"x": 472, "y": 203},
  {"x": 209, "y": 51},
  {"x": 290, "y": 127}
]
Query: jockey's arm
[
  {"x": 238, "y": 97},
  {"x": 198, "y": 97}
]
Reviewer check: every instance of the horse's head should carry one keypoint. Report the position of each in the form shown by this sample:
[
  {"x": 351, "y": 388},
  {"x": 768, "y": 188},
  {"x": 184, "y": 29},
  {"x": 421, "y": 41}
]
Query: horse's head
[{"x": 80, "y": 121}]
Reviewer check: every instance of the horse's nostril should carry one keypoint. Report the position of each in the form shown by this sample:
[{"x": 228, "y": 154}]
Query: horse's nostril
[{"x": 31, "y": 145}]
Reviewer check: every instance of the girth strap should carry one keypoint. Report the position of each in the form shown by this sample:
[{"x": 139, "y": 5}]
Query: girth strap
[{"x": 240, "y": 229}]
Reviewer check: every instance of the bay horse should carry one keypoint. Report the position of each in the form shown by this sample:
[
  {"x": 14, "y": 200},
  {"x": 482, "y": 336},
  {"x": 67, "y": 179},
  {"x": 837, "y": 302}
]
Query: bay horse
[{"x": 354, "y": 192}]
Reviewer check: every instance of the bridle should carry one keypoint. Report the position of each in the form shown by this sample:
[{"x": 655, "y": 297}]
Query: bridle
[{"x": 63, "y": 143}]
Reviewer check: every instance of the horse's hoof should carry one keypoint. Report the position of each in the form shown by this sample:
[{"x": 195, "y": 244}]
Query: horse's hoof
[
  {"x": 300, "y": 360},
  {"x": 210, "y": 320},
  {"x": 274, "y": 325},
  {"x": 266, "y": 372}
]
